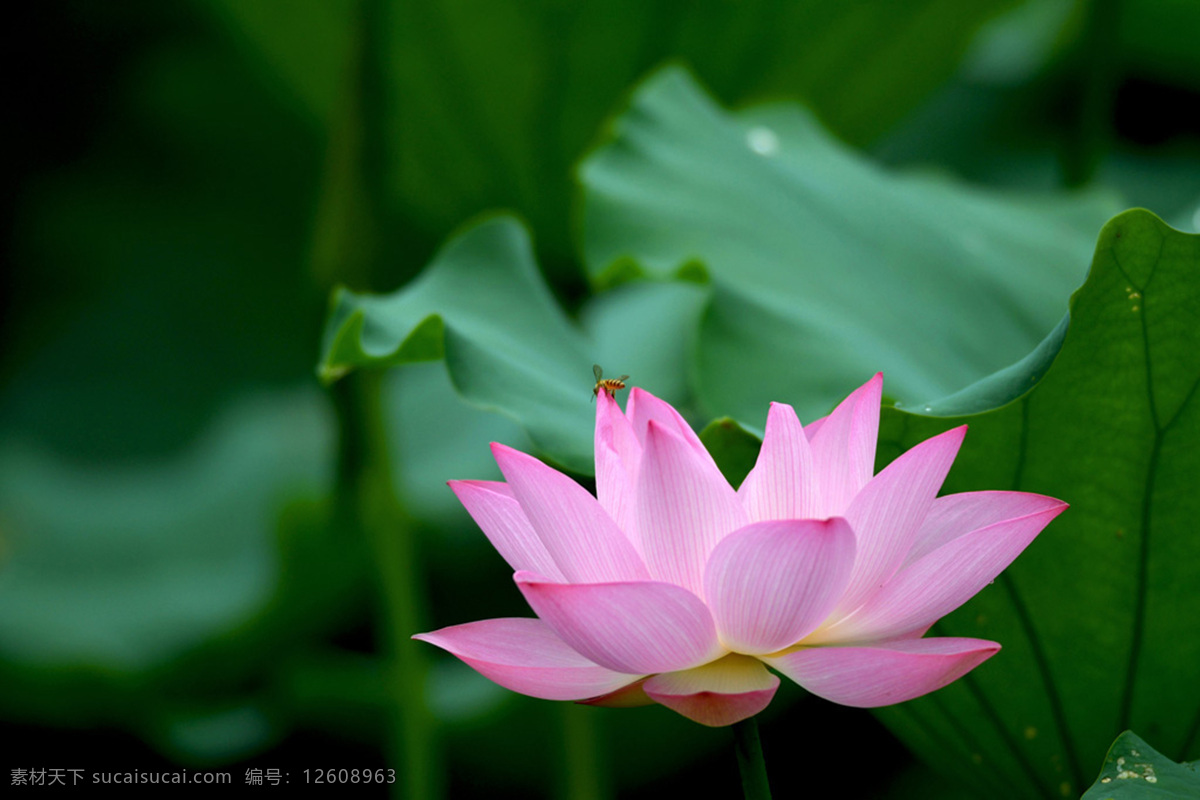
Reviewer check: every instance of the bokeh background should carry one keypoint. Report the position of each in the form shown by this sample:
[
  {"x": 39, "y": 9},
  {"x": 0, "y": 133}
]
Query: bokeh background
[{"x": 188, "y": 182}]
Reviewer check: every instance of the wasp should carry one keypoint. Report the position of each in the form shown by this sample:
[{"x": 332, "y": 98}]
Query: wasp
[{"x": 610, "y": 385}]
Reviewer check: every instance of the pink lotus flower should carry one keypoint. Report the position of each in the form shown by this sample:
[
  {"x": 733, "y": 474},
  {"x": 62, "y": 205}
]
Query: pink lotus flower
[{"x": 672, "y": 587}]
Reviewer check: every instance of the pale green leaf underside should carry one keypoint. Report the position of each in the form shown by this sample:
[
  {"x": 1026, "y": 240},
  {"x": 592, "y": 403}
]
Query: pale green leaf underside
[
  {"x": 483, "y": 307},
  {"x": 468, "y": 126},
  {"x": 508, "y": 347},
  {"x": 124, "y": 570},
  {"x": 824, "y": 268},
  {"x": 762, "y": 334}
]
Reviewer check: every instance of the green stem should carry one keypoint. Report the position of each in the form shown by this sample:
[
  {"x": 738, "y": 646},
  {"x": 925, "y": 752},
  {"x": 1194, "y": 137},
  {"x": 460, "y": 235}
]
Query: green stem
[
  {"x": 367, "y": 505},
  {"x": 346, "y": 248},
  {"x": 1090, "y": 133},
  {"x": 341, "y": 248},
  {"x": 583, "y": 778},
  {"x": 750, "y": 760}
]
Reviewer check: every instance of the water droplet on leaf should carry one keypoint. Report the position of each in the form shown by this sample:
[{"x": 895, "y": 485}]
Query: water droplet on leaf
[{"x": 763, "y": 141}]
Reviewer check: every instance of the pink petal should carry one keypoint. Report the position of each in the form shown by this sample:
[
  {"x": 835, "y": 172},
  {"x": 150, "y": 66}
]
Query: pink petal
[
  {"x": 642, "y": 408},
  {"x": 492, "y": 505},
  {"x": 524, "y": 655},
  {"x": 726, "y": 691},
  {"x": 618, "y": 454},
  {"x": 684, "y": 507},
  {"x": 770, "y": 584},
  {"x": 782, "y": 484},
  {"x": 957, "y": 514},
  {"x": 631, "y": 696},
  {"x": 885, "y": 673},
  {"x": 943, "y": 580},
  {"x": 843, "y": 448},
  {"x": 637, "y": 628},
  {"x": 888, "y": 512},
  {"x": 582, "y": 539}
]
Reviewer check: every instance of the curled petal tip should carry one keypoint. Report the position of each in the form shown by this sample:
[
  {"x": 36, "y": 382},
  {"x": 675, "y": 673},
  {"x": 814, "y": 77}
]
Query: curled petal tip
[{"x": 524, "y": 577}]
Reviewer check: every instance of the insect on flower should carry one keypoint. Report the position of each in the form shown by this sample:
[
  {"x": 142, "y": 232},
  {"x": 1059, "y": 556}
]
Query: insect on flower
[{"x": 610, "y": 385}]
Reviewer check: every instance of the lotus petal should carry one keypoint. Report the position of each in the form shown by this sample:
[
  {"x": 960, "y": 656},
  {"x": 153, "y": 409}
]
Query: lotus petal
[
  {"x": 884, "y": 673},
  {"x": 723, "y": 692},
  {"x": 640, "y": 627},
  {"x": 524, "y": 655}
]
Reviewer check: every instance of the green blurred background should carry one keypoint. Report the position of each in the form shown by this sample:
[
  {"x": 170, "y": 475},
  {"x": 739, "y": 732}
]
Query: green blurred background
[{"x": 187, "y": 183}]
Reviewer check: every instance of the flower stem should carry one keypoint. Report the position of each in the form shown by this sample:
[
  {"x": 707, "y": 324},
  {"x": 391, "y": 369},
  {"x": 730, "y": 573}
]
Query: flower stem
[
  {"x": 1091, "y": 128},
  {"x": 368, "y": 507},
  {"x": 583, "y": 778},
  {"x": 750, "y": 760},
  {"x": 347, "y": 248}
]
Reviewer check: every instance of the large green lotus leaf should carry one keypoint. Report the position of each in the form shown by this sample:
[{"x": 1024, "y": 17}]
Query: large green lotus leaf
[
  {"x": 1098, "y": 616},
  {"x": 1133, "y": 770},
  {"x": 824, "y": 268},
  {"x": 483, "y": 307},
  {"x": 465, "y": 126},
  {"x": 508, "y": 347},
  {"x": 644, "y": 329},
  {"x": 436, "y": 436},
  {"x": 112, "y": 574},
  {"x": 164, "y": 535}
]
